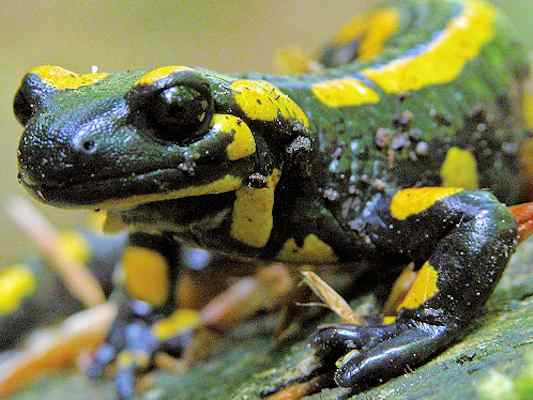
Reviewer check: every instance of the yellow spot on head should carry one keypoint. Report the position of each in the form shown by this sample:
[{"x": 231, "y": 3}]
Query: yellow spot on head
[
  {"x": 60, "y": 78},
  {"x": 260, "y": 100},
  {"x": 372, "y": 30},
  {"x": 153, "y": 76},
  {"x": 74, "y": 246},
  {"x": 16, "y": 283},
  {"x": 423, "y": 289},
  {"x": 145, "y": 275},
  {"x": 313, "y": 251},
  {"x": 445, "y": 58},
  {"x": 243, "y": 144},
  {"x": 344, "y": 93},
  {"x": 181, "y": 320},
  {"x": 252, "y": 219},
  {"x": 459, "y": 169},
  {"x": 413, "y": 201}
]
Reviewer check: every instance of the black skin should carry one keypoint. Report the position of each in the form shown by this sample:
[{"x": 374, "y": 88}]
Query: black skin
[{"x": 467, "y": 237}]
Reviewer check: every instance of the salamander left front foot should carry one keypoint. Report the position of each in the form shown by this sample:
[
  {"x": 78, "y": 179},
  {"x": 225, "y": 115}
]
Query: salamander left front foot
[
  {"x": 134, "y": 341},
  {"x": 374, "y": 354}
]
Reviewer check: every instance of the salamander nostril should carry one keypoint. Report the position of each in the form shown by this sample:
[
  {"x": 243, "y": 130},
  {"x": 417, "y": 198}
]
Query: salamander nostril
[{"x": 88, "y": 146}]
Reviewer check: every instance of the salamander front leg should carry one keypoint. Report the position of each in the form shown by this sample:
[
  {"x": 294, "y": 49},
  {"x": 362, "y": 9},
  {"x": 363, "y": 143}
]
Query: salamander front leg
[
  {"x": 149, "y": 268},
  {"x": 460, "y": 242}
]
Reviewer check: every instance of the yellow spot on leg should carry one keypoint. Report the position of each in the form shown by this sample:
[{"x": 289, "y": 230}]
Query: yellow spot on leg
[
  {"x": 260, "y": 100},
  {"x": 60, "y": 78},
  {"x": 181, "y": 320},
  {"x": 75, "y": 246},
  {"x": 344, "y": 93},
  {"x": 16, "y": 283},
  {"x": 459, "y": 169},
  {"x": 160, "y": 73},
  {"x": 243, "y": 144},
  {"x": 413, "y": 201},
  {"x": 252, "y": 219},
  {"x": 445, "y": 57},
  {"x": 423, "y": 289},
  {"x": 146, "y": 275},
  {"x": 313, "y": 251}
]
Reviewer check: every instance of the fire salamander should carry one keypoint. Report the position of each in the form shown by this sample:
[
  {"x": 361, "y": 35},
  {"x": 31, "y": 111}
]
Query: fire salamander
[{"x": 400, "y": 143}]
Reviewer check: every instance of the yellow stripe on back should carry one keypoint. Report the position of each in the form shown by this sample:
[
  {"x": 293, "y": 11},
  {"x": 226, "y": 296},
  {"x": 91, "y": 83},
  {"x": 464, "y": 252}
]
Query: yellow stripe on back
[
  {"x": 61, "y": 79},
  {"x": 372, "y": 30},
  {"x": 413, "y": 201},
  {"x": 444, "y": 58},
  {"x": 157, "y": 74},
  {"x": 344, "y": 92}
]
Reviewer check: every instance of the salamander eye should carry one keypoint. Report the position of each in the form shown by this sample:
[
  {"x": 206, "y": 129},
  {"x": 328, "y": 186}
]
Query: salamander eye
[
  {"x": 23, "y": 107},
  {"x": 177, "y": 114}
]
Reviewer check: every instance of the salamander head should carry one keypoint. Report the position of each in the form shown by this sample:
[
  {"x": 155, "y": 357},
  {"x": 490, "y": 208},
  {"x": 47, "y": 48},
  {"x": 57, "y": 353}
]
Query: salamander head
[{"x": 120, "y": 140}]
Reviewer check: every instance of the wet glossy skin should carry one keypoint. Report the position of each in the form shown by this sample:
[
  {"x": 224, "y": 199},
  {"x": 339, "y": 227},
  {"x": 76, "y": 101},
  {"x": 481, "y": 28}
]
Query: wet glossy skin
[{"x": 313, "y": 168}]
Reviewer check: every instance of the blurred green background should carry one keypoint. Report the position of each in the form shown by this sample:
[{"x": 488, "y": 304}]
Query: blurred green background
[{"x": 230, "y": 35}]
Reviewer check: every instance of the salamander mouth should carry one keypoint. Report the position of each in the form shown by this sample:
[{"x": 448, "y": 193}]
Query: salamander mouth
[{"x": 118, "y": 192}]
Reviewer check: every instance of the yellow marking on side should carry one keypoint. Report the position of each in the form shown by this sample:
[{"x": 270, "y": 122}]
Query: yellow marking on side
[
  {"x": 444, "y": 58},
  {"x": 60, "y": 78},
  {"x": 74, "y": 246},
  {"x": 423, "y": 289},
  {"x": 226, "y": 184},
  {"x": 260, "y": 100},
  {"x": 252, "y": 219},
  {"x": 372, "y": 30},
  {"x": 527, "y": 107},
  {"x": 181, "y": 320},
  {"x": 313, "y": 251},
  {"x": 389, "y": 320},
  {"x": 159, "y": 73},
  {"x": 344, "y": 93},
  {"x": 16, "y": 283},
  {"x": 243, "y": 144},
  {"x": 459, "y": 169},
  {"x": 145, "y": 275},
  {"x": 413, "y": 201}
]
